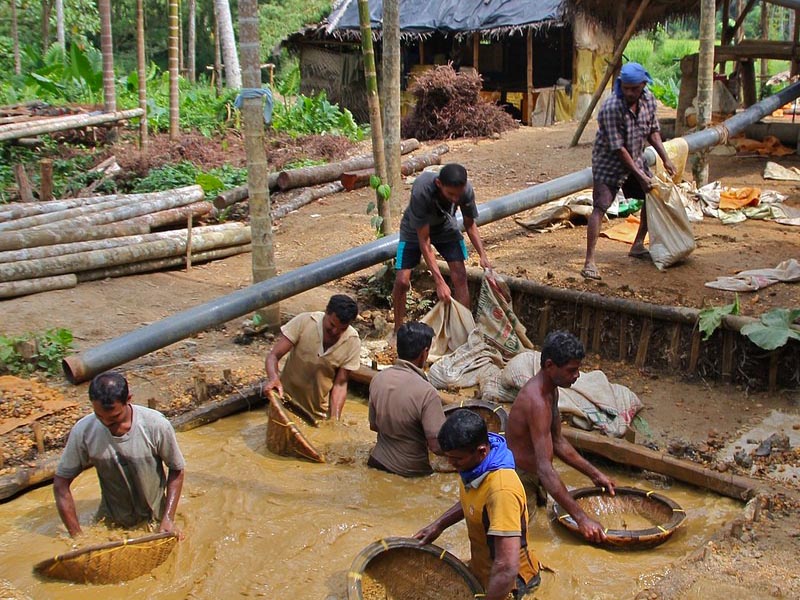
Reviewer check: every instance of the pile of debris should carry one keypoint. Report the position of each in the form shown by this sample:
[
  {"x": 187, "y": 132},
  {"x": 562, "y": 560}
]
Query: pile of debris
[{"x": 449, "y": 105}]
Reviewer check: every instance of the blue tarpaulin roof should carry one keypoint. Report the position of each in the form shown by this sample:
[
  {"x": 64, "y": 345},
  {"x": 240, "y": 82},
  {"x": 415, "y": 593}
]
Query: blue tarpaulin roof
[{"x": 454, "y": 16}]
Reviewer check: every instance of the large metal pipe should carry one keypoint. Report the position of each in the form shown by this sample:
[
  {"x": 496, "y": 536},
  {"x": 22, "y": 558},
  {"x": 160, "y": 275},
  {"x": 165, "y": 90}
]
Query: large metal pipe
[{"x": 120, "y": 350}]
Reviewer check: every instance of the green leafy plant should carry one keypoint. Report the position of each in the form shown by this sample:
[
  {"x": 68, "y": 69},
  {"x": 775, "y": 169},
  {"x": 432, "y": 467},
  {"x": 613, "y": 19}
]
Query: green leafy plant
[
  {"x": 711, "y": 318},
  {"x": 304, "y": 162},
  {"x": 773, "y": 329},
  {"x": 186, "y": 173},
  {"x": 310, "y": 115},
  {"x": 48, "y": 350}
]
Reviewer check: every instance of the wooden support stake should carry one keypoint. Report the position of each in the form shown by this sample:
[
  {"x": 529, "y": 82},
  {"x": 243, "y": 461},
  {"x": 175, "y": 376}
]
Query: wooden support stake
[
  {"x": 200, "y": 389},
  {"x": 46, "y": 183},
  {"x": 526, "y": 114},
  {"x": 476, "y": 48},
  {"x": 644, "y": 344},
  {"x": 544, "y": 321},
  {"x": 152, "y": 403},
  {"x": 586, "y": 318},
  {"x": 623, "y": 342},
  {"x": 23, "y": 184},
  {"x": 675, "y": 347},
  {"x": 226, "y": 376},
  {"x": 694, "y": 354},
  {"x": 727, "y": 354},
  {"x": 773, "y": 370},
  {"x": 598, "y": 330},
  {"x": 38, "y": 435},
  {"x": 189, "y": 243}
]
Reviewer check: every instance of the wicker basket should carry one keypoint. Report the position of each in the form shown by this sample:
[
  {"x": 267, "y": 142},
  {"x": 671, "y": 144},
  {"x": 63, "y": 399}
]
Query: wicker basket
[
  {"x": 111, "y": 562},
  {"x": 493, "y": 414},
  {"x": 401, "y": 569},
  {"x": 283, "y": 436},
  {"x": 633, "y": 518}
]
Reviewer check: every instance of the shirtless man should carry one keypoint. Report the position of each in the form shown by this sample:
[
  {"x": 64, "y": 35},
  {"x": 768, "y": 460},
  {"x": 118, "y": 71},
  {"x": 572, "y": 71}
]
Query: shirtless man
[{"x": 534, "y": 429}]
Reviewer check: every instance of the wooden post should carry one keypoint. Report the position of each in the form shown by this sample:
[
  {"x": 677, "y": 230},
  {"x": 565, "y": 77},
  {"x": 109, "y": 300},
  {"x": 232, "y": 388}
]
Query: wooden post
[
  {"x": 23, "y": 183},
  {"x": 694, "y": 353},
  {"x": 688, "y": 91},
  {"x": 200, "y": 389},
  {"x": 422, "y": 52},
  {"x": 226, "y": 376},
  {"x": 747, "y": 68},
  {"x": 727, "y": 354},
  {"x": 612, "y": 67},
  {"x": 586, "y": 318},
  {"x": 773, "y": 370},
  {"x": 644, "y": 344},
  {"x": 476, "y": 51},
  {"x": 526, "y": 116},
  {"x": 189, "y": 243},
  {"x": 623, "y": 342},
  {"x": 795, "y": 68},
  {"x": 544, "y": 321},
  {"x": 46, "y": 180},
  {"x": 675, "y": 347},
  {"x": 598, "y": 330},
  {"x": 38, "y": 435},
  {"x": 152, "y": 403}
]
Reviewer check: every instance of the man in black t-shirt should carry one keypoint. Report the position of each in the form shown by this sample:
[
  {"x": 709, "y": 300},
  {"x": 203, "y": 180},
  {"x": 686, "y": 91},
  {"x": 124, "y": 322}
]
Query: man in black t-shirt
[{"x": 430, "y": 219}]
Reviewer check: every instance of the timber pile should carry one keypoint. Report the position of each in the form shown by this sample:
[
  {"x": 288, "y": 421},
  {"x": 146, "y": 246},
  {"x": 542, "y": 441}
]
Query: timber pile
[{"x": 57, "y": 244}]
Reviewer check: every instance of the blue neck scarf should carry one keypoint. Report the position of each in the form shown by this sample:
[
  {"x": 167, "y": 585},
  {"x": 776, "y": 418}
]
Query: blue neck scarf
[
  {"x": 631, "y": 73},
  {"x": 499, "y": 457}
]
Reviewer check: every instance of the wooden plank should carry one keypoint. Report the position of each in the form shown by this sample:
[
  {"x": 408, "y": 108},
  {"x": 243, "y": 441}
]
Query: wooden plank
[
  {"x": 754, "y": 49},
  {"x": 623, "y": 340},
  {"x": 774, "y": 357},
  {"x": 675, "y": 347},
  {"x": 526, "y": 115},
  {"x": 644, "y": 344},
  {"x": 24, "y": 188},
  {"x": 544, "y": 321},
  {"x": 586, "y": 318},
  {"x": 727, "y": 355},
  {"x": 46, "y": 180},
  {"x": 620, "y": 451},
  {"x": 599, "y": 315},
  {"x": 694, "y": 354}
]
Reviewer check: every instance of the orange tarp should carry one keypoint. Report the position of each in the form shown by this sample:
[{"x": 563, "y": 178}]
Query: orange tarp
[
  {"x": 770, "y": 146},
  {"x": 736, "y": 198},
  {"x": 624, "y": 231}
]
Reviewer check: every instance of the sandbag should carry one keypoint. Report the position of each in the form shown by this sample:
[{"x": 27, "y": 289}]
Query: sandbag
[
  {"x": 471, "y": 364},
  {"x": 671, "y": 237},
  {"x": 451, "y": 323},
  {"x": 496, "y": 319}
]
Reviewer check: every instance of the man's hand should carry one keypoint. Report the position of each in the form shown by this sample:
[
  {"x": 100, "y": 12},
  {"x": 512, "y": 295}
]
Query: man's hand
[
  {"x": 272, "y": 384},
  {"x": 485, "y": 264},
  {"x": 604, "y": 481},
  {"x": 443, "y": 292},
  {"x": 168, "y": 526},
  {"x": 591, "y": 530},
  {"x": 645, "y": 182},
  {"x": 427, "y": 535},
  {"x": 670, "y": 168}
]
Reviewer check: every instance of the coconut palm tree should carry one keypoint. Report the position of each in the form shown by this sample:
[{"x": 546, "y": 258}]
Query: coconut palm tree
[
  {"x": 233, "y": 76},
  {"x": 107, "y": 50}
]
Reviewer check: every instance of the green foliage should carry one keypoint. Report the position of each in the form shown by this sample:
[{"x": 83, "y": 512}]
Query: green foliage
[
  {"x": 666, "y": 91},
  {"x": 315, "y": 115},
  {"x": 711, "y": 318},
  {"x": 304, "y": 162},
  {"x": 289, "y": 83},
  {"x": 51, "y": 346},
  {"x": 773, "y": 329},
  {"x": 74, "y": 76},
  {"x": 280, "y": 18},
  {"x": 382, "y": 191},
  {"x": 186, "y": 173}
]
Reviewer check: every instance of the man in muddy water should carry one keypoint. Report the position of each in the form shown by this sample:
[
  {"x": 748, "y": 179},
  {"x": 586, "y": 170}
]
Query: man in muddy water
[
  {"x": 626, "y": 119},
  {"x": 534, "y": 429},
  {"x": 493, "y": 503},
  {"x": 323, "y": 349},
  {"x": 404, "y": 408},
  {"x": 430, "y": 221},
  {"x": 128, "y": 446}
]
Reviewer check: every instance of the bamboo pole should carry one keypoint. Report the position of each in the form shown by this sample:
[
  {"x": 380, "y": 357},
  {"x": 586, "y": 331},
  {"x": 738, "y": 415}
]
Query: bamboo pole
[
  {"x": 613, "y": 65},
  {"x": 141, "y": 69},
  {"x": 15, "y": 131},
  {"x": 25, "y": 287}
]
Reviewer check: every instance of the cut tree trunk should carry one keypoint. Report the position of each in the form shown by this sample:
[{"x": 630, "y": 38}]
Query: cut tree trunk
[
  {"x": 230, "y": 197},
  {"x": 315, "y": 175},
  {"x": 355, "y": 179},
  {"x": 306, "y": 196},
  {"x": 25, "y": 287},
  {"x": 19, "y": 210},
  {"x": 28, "y": 238},
  {"x": 244, "y": 399},
  {"x": 15, "y": 131},
  {"x": 24, "y": 188}
]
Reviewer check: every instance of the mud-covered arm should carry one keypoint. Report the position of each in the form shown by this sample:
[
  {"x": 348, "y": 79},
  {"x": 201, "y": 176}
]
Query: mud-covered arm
[
  {"x": 65, "y": 504},
  {"x": 174, "y": 487},
  {"x": 281, "y": 348},
  {"x": 429, "y": 533}
]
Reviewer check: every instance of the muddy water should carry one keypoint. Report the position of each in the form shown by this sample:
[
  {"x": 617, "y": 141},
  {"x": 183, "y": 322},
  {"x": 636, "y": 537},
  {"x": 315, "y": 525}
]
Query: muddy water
[{"x": 258, "y": 525}]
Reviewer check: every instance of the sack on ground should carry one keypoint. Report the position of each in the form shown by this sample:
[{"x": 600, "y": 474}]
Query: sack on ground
[
  {"x": 671, "y": 237},
  {"x": 451, "y": 323}
]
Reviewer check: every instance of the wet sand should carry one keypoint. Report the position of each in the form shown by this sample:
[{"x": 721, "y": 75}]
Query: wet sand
[{"x": 258, "y": 525}]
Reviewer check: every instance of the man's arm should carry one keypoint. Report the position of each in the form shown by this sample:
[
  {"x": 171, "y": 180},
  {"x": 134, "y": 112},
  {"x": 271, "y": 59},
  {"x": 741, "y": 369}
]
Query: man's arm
[
  {"x": 65, "y": 504},
  {"x": 174, "y": 487},
  {"x": 504, "y": 568},
  {"x": 433, "y": 445},
  {"x": 424, "y": 237},
  {"x": 475, "y": 237},
  {"x": 429, "y": 533},
  {"x": 655, "y": 140},
  {"x": 565, "y": 451},
  {"x": 281, "y": 347},
  {"x": 339, "y": 392},
  {"x": 541, "y": 430},
  {"x": 625, "y": 158}
]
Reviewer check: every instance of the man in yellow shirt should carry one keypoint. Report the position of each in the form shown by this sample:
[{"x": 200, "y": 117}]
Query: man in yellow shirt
[
  {"x": 323, "y": 349},
  {"x": 492, "y": 500}
]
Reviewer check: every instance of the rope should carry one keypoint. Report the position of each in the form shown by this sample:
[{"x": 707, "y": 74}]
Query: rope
[{"x": 250, "y": 93}]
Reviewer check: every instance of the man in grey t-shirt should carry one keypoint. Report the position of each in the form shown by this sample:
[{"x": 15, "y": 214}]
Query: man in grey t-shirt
[
  {"x": 430, "y": 219},
  {"x": 128, "y": 445}
]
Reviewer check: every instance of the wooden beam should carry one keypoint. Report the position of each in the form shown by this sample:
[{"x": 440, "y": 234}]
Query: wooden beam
[
  {"x": 612, "y": 67},
  {"x": 476, "y": 51},
  {"x": 526, "y": 116}
]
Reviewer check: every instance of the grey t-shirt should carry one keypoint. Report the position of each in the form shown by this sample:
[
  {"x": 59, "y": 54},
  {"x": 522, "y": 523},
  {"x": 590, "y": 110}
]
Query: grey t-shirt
[
  {"x": 429, "y": 207},
  {"x": 130, "y": 467}
]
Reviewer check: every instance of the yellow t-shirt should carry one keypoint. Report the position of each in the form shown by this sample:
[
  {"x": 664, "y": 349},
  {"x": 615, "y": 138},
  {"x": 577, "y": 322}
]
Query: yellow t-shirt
[
  {"x": 310, "y": 370},
  {"x": 497, "y": 508}
]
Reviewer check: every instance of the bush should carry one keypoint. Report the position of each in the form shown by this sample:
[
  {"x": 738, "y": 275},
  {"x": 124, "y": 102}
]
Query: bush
[
  {"x": 315, "y": 115},
  {"x": 49, "y": 348},
  {"x": 185, "y": 173}
]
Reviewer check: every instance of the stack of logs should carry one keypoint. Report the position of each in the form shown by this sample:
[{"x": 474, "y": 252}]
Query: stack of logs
[{"x": 57, "y": 244}]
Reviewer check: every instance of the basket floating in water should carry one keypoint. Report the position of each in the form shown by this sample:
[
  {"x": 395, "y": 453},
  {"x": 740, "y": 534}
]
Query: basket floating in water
[
  {"x": 493, "y": 414},
  {"x": 112, "y": 562},
  {"x": 401, "y": 569},
  {"x": 632, "y": 518}
]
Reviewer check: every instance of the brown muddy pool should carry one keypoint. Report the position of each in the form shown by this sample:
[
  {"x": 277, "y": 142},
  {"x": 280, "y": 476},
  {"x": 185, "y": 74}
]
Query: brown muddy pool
[{"x": 258, "y": 525}]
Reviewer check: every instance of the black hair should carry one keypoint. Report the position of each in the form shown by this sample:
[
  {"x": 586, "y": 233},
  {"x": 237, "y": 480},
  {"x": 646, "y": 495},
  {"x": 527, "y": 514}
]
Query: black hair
[
  {"x": 109, "y": 388},
  {"x": 562, "y": 347},
  {"x": 344, "y": 307},
  {"x": 412, "y": 339},
  {"x": 453, "y": 175},
  {"x": 463, "y": 430}
]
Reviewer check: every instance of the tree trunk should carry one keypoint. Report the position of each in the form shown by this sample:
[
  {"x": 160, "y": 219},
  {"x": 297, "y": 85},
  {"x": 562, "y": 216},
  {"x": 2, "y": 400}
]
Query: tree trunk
[
  {"x": 233, "y": 76},
  {"x": 217, "y": 54},
  {"x": 257, "y": 167},
  {"x": 60, "y": 25},
  {"x": 25, "y": 287},
  {"x": 15, "y": 38},
  {"x": 14, "y": 131},
  {"x": 306, "y": 196},
  {"x": 390, "y": 60},
  {"x": 172, "y": 52},
  {"x": 191, "y": 42},
  {"x": 374, "y": 113},
  {"x": 107, "y": 48},
  {"x": 705, "y": 82},
  {"x": 47, "y": 7},
  {"x": 141, "y": 68},
  {"x": 354, "y": 179}
]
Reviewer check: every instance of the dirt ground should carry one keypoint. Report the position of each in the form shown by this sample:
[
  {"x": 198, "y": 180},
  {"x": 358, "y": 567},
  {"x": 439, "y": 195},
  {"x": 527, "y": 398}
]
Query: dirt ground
[{"x": 762, "y": 552}]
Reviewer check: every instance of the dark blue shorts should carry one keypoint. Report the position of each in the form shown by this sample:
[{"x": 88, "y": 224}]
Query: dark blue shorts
[{"x": 409, "y": 253}]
